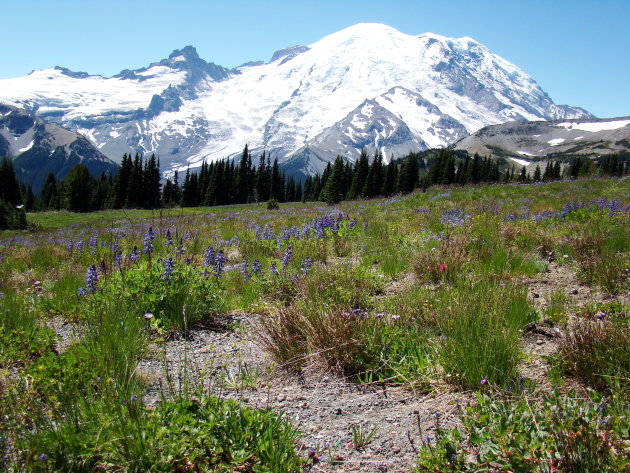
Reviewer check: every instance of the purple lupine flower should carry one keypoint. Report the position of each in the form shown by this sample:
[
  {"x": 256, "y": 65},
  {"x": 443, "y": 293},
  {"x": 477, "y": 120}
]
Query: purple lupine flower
[
  {"x": 484, "y": 381},
  {"x": 273, "y": 270},
  {"x": 118, "y": 258},
  {"x": 70, "y": 246},
  {"x": 244, "y": 271},
  {"x": 167, "y": 269},
  {"x": 306, "y": 266},
  {"x": 219, "y": 262},
  {"x": 79, "y": 246},
  {"x": 169, "y": 238},
  {"x": 286, "y": 257},
  {"x": 149, "y": 236},
  {"x": 453, "y": 217},
  {"x": 93, "y": 244},
  {"x": 256, "y": 267},
  {"x": 114, "y": 247},
  {"x": 134, "y": 254},
  {"x": 209, "y": 257},
  {"x": 180, "y": 248},
  {"x": 91, "y": 279},
  {"x": 43, "y": 457}
]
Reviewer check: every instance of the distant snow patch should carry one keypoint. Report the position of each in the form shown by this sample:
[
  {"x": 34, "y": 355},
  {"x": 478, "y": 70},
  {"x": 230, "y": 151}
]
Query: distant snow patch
[
  {"x": 525, "y": 153},
  {"x": 578, "y": 137},
  {"x": 594, "y": 126},
  {"x": 30, "y": 145},
  {"x": 522, "y": 162},
  {"x": 556, "y": 141}
]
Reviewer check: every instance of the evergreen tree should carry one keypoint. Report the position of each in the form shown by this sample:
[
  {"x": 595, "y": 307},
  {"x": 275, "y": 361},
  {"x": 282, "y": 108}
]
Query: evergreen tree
[
  {"x": 9, "y": 186},
  {"x": 78, "y": 189},
  {"x": 276, "y": 190},
  {"x": 390, "y": 178},
  {"x": 408, "y": 176},
  {"x": 360, "y": 175},
  {"x": 135, "y": 187},
  {"x": 49, "y": 197},
  {"x": 375, "y": 178},
  {"x": 537, "y": 173},
  {"x": 29, "y": 198},
  {"x": 332, "y": 193}
]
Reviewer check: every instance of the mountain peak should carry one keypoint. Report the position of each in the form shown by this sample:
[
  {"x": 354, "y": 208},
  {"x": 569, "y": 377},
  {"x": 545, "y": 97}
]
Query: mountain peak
[{"x": 187, "y": 53}]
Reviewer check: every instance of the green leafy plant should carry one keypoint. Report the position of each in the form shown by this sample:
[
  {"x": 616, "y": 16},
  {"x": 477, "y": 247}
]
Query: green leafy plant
[
  {"x": 362, "y": 435},
  {"x": 557, "y": 433}
]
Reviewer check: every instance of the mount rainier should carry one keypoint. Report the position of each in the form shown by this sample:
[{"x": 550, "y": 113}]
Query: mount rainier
[{"x": 365, "y": 86}]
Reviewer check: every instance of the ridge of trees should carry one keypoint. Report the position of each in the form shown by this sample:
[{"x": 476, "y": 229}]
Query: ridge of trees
[{"x": 137, "y": 184}]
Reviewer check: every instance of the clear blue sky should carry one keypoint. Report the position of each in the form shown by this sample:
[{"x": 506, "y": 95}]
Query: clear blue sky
[{"x": 578, "y": 51}]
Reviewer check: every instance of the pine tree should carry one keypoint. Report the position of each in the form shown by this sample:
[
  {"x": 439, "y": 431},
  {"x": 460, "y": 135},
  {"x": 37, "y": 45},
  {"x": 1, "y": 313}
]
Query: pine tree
[
  {"x": 390, "y": 178},
  {"x": 78, "y": 189},
  {"x": 332, "y": 193},
  {"x": 9, "y": 186},
  {"x": 360, "y": 175},
  {"x": 276, "y": 189},
  {"x": 48, "y": 198},
  {"x": 537, "y": 173}
]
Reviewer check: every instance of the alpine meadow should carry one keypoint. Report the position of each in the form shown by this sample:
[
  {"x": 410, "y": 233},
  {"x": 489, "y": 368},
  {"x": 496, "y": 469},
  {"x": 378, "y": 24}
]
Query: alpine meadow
[{"x": 379, "y": 252}]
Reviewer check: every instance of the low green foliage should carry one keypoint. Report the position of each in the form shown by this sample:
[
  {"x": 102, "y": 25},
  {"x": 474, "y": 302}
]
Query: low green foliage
[
  {"x": 197, "y": 434},
  {"x": 185, "y": 296},
  {"x": 557, "y": 433},
  {"x": 22, "y": 337}
]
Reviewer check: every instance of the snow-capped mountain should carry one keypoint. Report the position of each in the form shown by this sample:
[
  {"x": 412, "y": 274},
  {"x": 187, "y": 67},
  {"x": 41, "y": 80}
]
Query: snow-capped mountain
[
  {"x": 365, "y": 86},
  {"x": 525, "y": 142},
  {"x": 38, "y": 147}
]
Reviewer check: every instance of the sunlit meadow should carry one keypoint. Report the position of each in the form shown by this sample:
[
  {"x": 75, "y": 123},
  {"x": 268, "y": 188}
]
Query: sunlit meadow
[{"x": 427, "y": 291}]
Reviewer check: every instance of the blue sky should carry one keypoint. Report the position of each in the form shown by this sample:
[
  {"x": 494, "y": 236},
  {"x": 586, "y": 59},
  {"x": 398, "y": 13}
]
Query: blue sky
[{"x": 578, "y": 51}]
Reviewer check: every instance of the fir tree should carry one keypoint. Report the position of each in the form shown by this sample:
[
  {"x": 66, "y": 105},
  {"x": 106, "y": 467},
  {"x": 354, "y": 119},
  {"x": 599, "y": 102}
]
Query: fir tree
[{"x": 332, "y": 193}]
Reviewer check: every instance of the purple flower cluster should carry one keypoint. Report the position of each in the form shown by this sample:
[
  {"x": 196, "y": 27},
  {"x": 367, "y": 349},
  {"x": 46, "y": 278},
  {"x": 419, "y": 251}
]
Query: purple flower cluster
[
  {"x": 571, "y": 207},
  {"x": 134, "y": 254},
  {"x": 91, "y": 282},
  {"x": 93, "y": 244},
  {"x": 306, "y": 266},
  {"x": 454, "y": 217},
  {"x": 421, "y": 210},
  {"x": 286, "y": 257},
  {"x": 149, "y": 236},
  {"x": 219, "y": 263},
  {"x": 169, "y": 239},
  {"x": 167, "y": 269}
]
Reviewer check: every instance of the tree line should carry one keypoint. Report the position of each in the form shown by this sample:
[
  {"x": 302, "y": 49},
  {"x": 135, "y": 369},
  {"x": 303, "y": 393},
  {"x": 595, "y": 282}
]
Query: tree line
[{"x": 137, "y": 183}]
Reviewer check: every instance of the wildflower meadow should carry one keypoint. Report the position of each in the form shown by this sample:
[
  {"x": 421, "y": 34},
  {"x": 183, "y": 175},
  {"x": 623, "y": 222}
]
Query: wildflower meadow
[{"x": 434, "y": 294}]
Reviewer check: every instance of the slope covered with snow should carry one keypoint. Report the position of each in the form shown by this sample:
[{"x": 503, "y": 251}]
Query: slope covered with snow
[{"x": 424, "y": 91}]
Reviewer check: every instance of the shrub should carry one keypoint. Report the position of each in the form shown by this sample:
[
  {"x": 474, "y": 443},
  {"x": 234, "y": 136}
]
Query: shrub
[
  {"x": 598, "y": 353},
  {"x": 272, "y": 204}
]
